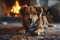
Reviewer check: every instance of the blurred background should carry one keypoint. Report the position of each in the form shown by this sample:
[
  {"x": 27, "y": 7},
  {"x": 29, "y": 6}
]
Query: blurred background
[{"x": 7, "y": 10}]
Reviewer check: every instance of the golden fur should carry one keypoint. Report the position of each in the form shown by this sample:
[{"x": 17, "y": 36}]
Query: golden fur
[{"x": 35, "y": 13}]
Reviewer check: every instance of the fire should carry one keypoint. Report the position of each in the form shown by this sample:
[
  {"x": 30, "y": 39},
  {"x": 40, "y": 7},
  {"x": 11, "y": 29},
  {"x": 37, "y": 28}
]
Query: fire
[
  {"x": 16, "y": 15},
  {"x": 8, "y": 15},
  {"x": 16, "y": 7}
]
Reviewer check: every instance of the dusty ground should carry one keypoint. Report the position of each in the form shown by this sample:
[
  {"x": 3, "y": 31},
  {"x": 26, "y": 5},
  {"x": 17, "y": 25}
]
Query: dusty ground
[{"x": 10, "y": 32}]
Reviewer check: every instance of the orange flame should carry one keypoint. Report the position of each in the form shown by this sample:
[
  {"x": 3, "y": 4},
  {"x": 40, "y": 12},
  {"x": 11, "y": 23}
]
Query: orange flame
[
  {"x": 16, "y": 7},
  {"x": 16, "y": 15},
  {"x": 8, "y": 15}
]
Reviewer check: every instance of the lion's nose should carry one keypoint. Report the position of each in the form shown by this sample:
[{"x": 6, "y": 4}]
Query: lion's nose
[{"x": 30, "y": 20}]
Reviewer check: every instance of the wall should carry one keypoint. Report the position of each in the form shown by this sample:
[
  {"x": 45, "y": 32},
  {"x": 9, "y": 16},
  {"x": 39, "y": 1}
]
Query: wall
[
  {"x": 38, "y": 2},
  {"x": 1, "y": 9},
  {"x": 52, "y": 2},
  {"x": 42, "y": 2},
  {"x": 32, "y": 2}
]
